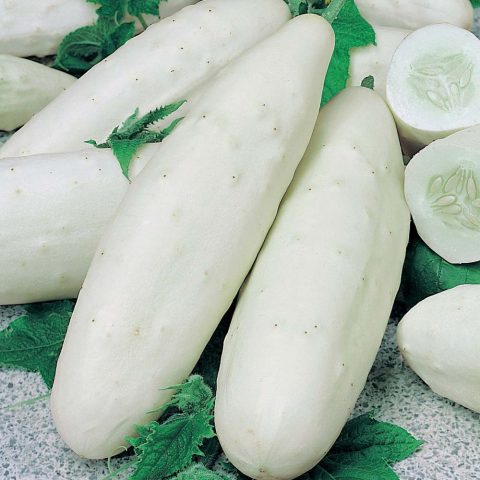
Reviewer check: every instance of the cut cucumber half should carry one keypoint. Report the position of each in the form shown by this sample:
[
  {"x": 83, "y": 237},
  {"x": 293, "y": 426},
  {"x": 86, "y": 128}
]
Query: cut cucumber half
[
  {"x": 433, "y": 85},
  {"x": 442, "y": 188}
]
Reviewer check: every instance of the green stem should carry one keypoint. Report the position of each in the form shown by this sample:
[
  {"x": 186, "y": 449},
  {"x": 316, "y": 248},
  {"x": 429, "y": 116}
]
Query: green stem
[
  {"x": 25, "y": 403},
  {"x": 117, "y": 472},
  {"x": 142, "y": 21},
  {"x": 331, "y": 12}
]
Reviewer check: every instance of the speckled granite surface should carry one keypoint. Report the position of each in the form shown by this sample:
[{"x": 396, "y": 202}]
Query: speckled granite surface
[{"x": 30, "y": 448}]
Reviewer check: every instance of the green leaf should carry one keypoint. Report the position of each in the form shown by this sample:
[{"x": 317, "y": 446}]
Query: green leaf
[
  {"x": 125, "y": 150},
  {"x": 351, "y": 30},
  {"x": 475, "y": 3},
  {"x": 34, "y": 340},
  {"x": 116, "y": 10},
  {"x": 368, "y": 82},
  {"x": 198, "y": 471},
  {"x": 369, "y": 469},
  {"x": 132, "y": 133},
  {"x": 425, "y": 273},
  {"x": 297, "y": 7},
  {"x": 164, "y": 449},
  {"x": 138, "y": 7},
  {"x": 87, "y": 46},
  {"x": 365, "y": 437},
  {"x": 83, "y": 48},
  {"x": 192, "y": 396},
  {"x": 111, "y": 9},
  {"x": 364, "y": 450},
  {"x": 333, "y": 10}
]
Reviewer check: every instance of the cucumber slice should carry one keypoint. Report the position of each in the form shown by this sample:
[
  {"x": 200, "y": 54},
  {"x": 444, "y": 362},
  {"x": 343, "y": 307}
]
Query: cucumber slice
[
  {"x": 442, "y": 188},
  {"x": 433, "y": 86}
]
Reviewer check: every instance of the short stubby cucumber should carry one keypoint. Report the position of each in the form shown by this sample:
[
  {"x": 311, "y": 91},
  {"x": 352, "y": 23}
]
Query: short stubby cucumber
[
  {"x": 433, "y": 85},
  {"x": 442, "y": 188},
  {"x": 25, "y": 88},
  {"x": 55, "y": 207},
  {"x": 312, "y": 314},
  {"x": 178, "y": 54},
  {"x": 185, "y": 237},
  {"x": 375, "y": 59},
  {"x": 414, "y": 14},
  {"x": 37, "y": 27},
  {"x": 439, "y": 340}
]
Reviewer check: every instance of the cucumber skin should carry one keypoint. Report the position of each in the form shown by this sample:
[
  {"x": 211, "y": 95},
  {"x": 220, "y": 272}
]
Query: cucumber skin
[
  {"x": 413, "y": 14},
  {"x": 425, "y": 273},
  {"x": 25, "y": 88},
  {"x": 439, "y": 339},
  {"x": 311, "y": 316},
  {"x": 185, "y": 237}
]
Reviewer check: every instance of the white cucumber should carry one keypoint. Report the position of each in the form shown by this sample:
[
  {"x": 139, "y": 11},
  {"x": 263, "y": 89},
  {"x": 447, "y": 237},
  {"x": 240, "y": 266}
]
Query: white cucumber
[
  {"x": 55, "y": 208},
  {"x": 375, "y": 59},
  {"x": 312, "y": 314},
  {"x": 185, "y": 237},
  {"x": 439, "y": 339},
  {"x": 37, "y": 27},
  {"x": 413, "y": 14},
  {"x": 158, "y": 67},
  {"x": 442, "y": 188},
  {"x": 25, "y": 88},
  {"x": 433, "y": 85}
]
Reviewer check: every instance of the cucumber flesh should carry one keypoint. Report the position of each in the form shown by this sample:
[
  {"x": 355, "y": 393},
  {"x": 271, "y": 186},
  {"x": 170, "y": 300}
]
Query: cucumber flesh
[
  {"x": 433, "y": 86},
  {"x": 442, "y": 188}
]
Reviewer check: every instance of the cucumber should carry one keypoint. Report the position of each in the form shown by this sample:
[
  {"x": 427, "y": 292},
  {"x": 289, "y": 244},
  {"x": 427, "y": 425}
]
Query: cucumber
[
  {"x": 311, "y": 316},
  {"x": 375, "y": 59},
  {"x": 414, "y": 14},
  {"x": 37, "y": 27},
  {"x": 442, "y": 188},
  {"x": 178, "y": 54},
  {"x": 55, "y": 209},
  {"x": 25, "y": 88},
  {"x": 185, "y": 237},
  {"x": 433, "y": 85},
  {"x": 439, "y": 340}
]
